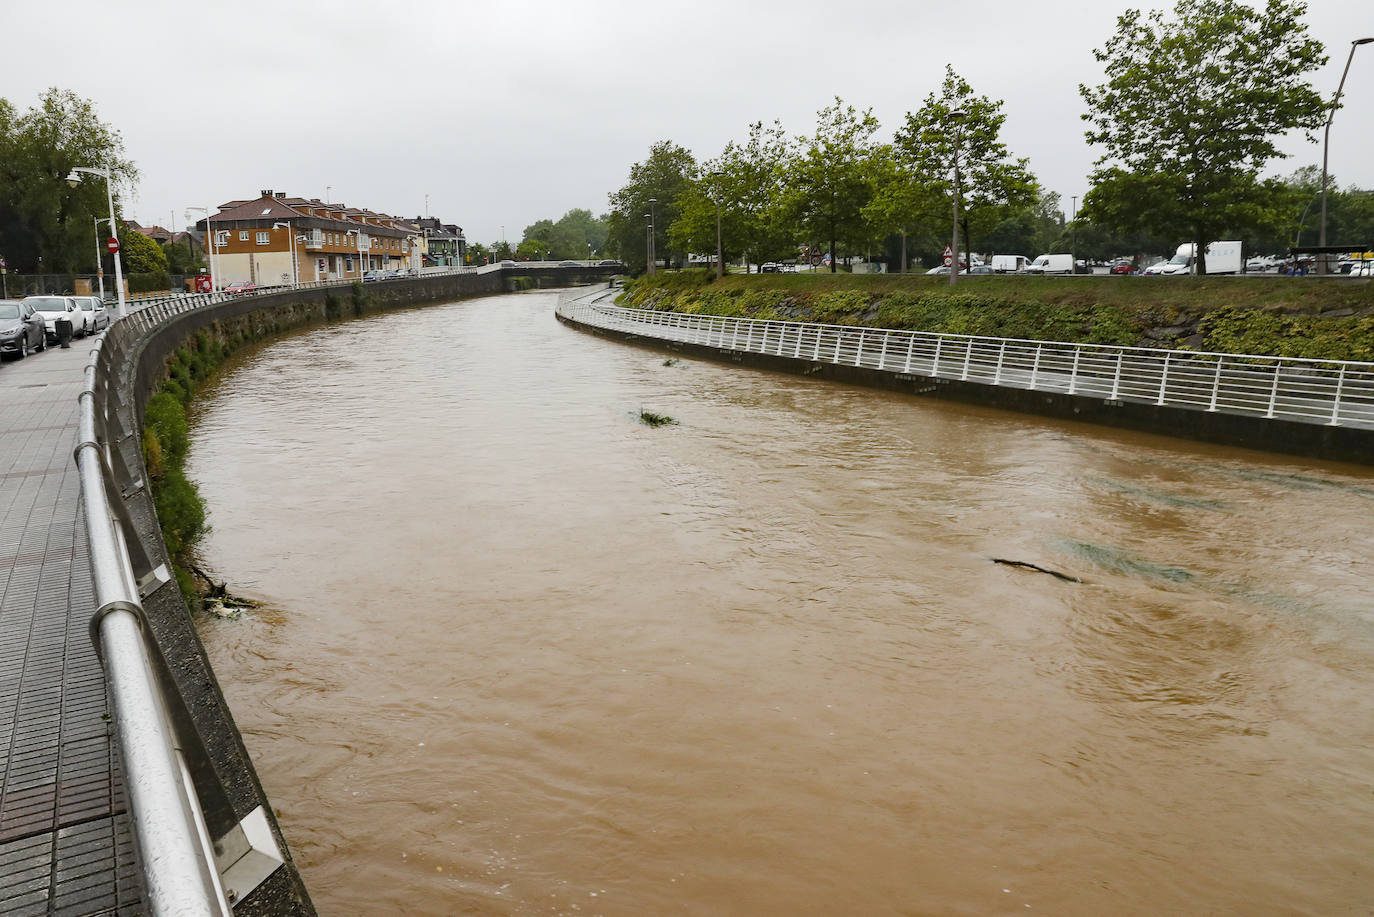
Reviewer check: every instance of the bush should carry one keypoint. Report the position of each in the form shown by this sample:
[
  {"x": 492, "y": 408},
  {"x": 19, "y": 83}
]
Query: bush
[
  {"x": 180, "y": 512},
  {"x": 157, "y": 282},
  {"x": 165, "y": 420}
]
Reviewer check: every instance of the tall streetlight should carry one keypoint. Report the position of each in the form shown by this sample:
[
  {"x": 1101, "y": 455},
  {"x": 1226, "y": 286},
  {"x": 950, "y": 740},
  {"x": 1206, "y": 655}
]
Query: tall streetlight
[
  {"x": 720, "y": 261},
  {"x": 291, "y": 235},
  {"x": 648, "y": 244},
  {"x": 1073, "y": 232},
  {"x": 957, "y": 116},
  {"x": 1326, "y": 146},
  {"x": 209, "y": 246},
  {"x": 99, "y": 257},
  {"x": 653, "y": 241},
  {"x": 74, "y": 179}
]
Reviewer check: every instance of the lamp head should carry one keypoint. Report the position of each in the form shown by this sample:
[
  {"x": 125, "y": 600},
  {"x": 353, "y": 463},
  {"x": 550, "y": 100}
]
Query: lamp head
[
  {"x": 958, "y": 114},
  {"x": 73, "y": 178},
  {"x": 1362, "y": 41}
]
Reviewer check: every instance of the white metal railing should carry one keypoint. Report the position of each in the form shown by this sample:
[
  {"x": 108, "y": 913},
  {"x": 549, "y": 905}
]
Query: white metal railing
[{"x": 1332, "y": 392}]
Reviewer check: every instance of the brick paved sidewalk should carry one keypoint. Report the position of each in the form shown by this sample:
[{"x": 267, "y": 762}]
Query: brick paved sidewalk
[{"x": 65, "y": 845}]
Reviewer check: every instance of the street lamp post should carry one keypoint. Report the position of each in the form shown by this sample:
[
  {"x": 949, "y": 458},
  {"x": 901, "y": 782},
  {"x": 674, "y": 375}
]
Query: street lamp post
[
  {"x": 209, "y": 246},
  {"x": 291, "y": 236},
  {"x": 1073, "y": 233},
  {"x": 74, "y": 179},
  {"x": 653, "y": 241},
  {"x": 720, "y": 260},
  {"x": 99, "y": 257},
  {"x": 648, "y": 244},
  {"x": 1322, "y": 266},
  {"x": 957, "y": 116}
]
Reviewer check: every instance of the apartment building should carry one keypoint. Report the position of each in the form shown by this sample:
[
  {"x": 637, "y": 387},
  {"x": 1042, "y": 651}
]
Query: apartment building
[{"x": 273, "y": 239}]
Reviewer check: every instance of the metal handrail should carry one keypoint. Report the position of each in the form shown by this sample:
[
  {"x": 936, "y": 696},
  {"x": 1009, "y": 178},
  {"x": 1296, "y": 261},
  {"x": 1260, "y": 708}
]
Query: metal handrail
[
  {"x": 168, "y": 825},
  {"x": 175, "y": 849},
  {"x": 1330, "y": 392}
]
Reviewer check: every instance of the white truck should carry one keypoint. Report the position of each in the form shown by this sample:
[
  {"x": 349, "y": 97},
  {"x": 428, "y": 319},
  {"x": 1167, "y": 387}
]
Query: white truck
[
  {"x": 1222, "y": 258},
  {"x": 1009, "y": 264},
  {"x": 1051, "y": 264}
]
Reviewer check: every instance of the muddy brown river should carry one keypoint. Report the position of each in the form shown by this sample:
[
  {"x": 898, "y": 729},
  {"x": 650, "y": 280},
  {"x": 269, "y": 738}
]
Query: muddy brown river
[{"x": 523, "y": 655}]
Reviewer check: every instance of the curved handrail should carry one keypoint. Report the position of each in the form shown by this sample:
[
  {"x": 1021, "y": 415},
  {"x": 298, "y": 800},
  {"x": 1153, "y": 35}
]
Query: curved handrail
[{"x": 1329, "y": 392}]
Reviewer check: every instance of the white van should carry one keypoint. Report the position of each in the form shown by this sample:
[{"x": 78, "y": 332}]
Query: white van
[
  {"x": 1009, "y": 264},
  {"x": 1051, "y": 264},
  {"x": 1222, "y": 258}
]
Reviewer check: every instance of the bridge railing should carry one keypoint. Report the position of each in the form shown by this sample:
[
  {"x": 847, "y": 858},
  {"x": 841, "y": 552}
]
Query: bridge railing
[{"x": 1334, "y": 392}]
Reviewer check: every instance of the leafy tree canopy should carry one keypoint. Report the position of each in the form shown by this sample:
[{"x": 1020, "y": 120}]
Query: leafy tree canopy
[
  {"x": 831, "y": 179},
  {"x": 141, "y": 254},
  {"x": 655, "y": 186},
  {"x": 1190, "y": 112}
]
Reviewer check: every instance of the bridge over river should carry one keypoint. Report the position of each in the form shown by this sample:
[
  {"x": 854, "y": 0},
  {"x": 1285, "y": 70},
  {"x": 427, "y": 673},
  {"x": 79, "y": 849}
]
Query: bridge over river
[{"x": 757, "y": 661}]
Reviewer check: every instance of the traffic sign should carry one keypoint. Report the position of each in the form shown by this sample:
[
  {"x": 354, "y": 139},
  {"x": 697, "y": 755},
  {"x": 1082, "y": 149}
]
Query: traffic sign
[
  {"x": 949, "y": 259},
  {"x": 112, "y": 244}
]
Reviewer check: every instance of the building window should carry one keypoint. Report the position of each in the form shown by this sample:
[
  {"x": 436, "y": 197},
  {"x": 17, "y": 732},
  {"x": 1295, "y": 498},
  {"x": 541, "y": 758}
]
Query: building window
[
  {"x": 243, "y": 235},
  {"x": 263, "y": 237},
  {"x": 221, "y": 237}
]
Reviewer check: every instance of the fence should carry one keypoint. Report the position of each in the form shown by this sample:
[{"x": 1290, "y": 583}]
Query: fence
[{"x": 1331, "y": 392}]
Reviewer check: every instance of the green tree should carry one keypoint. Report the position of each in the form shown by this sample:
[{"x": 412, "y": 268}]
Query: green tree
[
  {"x": 746, "y": 182},
  {"x": 934, "y": 139},
  {"x": 655, "y": 186},
  {"x": 42, "y": 219},
  {"x": 830, "y": 181},
  {"x": 905, "y": 203},
  {"x": 141, "y": 254},
  {"x": 181, "y": 259},
  {"x": 1189, "y": 115}
]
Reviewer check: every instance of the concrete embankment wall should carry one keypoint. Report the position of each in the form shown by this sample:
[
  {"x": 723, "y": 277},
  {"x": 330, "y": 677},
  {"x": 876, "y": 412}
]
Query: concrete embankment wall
[
  {"x": 1345, "y": 444},
  {"x": 223, "y": 772}
]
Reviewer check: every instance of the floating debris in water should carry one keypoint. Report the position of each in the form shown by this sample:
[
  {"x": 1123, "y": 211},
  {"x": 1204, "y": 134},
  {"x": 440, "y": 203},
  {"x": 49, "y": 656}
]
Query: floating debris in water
[
  {"x": 655, "y": 420},
  {"x": 1037, "y": 568},
  {"x": 671, "y": 361}
]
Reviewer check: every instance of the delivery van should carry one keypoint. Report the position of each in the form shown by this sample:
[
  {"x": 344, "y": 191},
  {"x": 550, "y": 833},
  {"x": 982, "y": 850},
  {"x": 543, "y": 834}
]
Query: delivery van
[
  {"x": 1222, "y": 258},
  {"x": 1009, "y": 264},
  {"x": 1051, "y": 264}
]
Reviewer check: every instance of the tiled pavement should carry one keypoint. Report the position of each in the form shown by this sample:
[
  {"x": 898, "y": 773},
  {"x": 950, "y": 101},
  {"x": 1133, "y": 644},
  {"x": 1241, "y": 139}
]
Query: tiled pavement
[{"x": 65, "y": 846}]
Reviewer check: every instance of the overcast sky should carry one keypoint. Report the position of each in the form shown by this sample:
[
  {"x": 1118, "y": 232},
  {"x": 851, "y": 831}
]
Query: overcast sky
[{"x": 505, "y": 113}]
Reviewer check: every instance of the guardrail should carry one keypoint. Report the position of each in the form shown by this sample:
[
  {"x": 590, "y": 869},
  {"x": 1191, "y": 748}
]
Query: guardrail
[
  {"x": 1331, "y": 392},
  {"x": 185, "y": 870}
]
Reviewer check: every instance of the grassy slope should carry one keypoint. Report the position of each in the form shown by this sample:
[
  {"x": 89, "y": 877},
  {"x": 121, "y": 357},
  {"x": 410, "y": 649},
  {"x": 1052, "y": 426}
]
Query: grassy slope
[{"x": 1275, "y": 315}]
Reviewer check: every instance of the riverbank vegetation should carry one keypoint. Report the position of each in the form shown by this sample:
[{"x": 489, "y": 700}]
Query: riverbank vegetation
[
  {"x": 1320, "y": 319},
  {"x": 855, "y": 188}
]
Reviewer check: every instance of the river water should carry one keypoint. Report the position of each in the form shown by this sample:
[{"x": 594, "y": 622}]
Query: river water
[{"x": 522, "y": 654}]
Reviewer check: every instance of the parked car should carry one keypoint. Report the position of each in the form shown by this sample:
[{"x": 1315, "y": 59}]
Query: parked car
[
  {"x": 569, "y": 264},
  {"x": 52, "y": 308},
  {"x": 1051, "y": 264},
  {"x": 240, "y": 287},
  {"x": 1123, "y": 267},
  {"x": 97, "y": 319},
  {"x": 609, "y": 262},
  {"x": 22, "y": 330},
  {"x": 770, "y": 267},
  {"x": 508, "y": 263}
]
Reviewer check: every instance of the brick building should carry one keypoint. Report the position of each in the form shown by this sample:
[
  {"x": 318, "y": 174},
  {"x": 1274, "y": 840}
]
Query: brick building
[{"x": 274, "y": 240}]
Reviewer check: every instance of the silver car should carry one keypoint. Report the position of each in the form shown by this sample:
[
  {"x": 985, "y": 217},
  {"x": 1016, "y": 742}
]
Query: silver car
[
  {"x": 51, "y": 308},
  {"x": 97, "y": 319}
]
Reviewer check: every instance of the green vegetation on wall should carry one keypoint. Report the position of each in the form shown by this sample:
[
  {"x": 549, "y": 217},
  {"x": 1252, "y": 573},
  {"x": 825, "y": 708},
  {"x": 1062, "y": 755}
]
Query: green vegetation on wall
[{"x": 1330, "y": 319}]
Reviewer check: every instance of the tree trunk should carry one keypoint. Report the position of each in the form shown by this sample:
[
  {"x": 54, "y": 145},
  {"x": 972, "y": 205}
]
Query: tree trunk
[
  {"x": 968, "y": 248},
  {"x": 1199, "y": 253}
]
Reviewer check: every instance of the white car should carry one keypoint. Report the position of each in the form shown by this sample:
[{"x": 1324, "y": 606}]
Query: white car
[
  {"x": 51, "y": 308},
  {"x": 93, "y": 310}
]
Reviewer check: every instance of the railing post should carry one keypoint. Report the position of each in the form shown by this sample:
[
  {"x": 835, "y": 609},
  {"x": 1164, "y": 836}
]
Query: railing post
[
  {"x": 882, "y": 355},
  {"x": 1035, "y": 365},
  {"x": 1274, "y": 390},
  {"x": 1073, "y": 373},
  {"x": 1116, "y": 379},
  {"x": 838, "y": 337},
  {"x": 1336, "y": 402},
  {"x": 939, "y": 342},
  {"x": 910, "y": 346},
  {"x": 859, "y": 357},
  {"x": 782, "y": 333},
  {"x": 797, "y": 352},
  {"x": 1216, "y": 384},
  {"x": 817, "y": 354},
  {"x": 968, "y": 355},
  {"x": 1164, "y": 379},
  {"x": 1001, "y": 355},
  {"x": 749, "y": 339}
]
